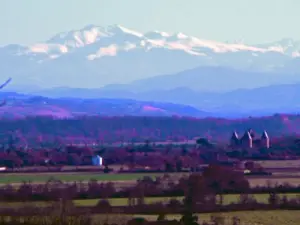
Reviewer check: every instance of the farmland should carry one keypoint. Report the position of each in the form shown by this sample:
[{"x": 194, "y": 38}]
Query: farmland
[
  {"x": 271, "y": 217},
  {"x": 277, "y": 217},
  {"x": 285, "y": 164},
  {"x": 206, "y": 162},
  {"x": 127, "y": 179},
  {"x": 11, "y": 178},
  {"x": 231, "y": 198},
  {"x": 94, "y": 200},
  {"x": 228, "y": 199}
]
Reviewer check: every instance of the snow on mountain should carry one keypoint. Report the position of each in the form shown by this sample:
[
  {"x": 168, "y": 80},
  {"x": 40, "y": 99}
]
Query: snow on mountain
[
  {"x": 115, "y": 54},
  {"x": 117, "y": 38},
  {"x": 287, "y": 46},
  {"x": 156, "y": 34},
  {"x": 91, "y": 34}
]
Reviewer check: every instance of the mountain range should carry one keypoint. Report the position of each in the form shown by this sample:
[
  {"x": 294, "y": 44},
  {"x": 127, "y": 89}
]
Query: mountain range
[
  {"x": 238, "y": 103},
  {"x": 118, "y": 71},
  {"x": 95, "y": 57}
]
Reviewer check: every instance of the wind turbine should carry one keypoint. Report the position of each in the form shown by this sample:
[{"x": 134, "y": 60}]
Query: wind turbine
[{"x": 2, "y": 86}]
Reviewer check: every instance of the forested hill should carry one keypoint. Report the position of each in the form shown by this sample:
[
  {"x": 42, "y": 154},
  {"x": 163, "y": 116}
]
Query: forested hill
[{"x": 129, "y": 128}]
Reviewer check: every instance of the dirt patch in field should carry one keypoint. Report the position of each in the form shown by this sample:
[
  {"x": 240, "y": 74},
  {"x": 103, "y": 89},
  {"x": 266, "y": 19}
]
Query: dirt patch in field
[{"x": 279, "y": 163}]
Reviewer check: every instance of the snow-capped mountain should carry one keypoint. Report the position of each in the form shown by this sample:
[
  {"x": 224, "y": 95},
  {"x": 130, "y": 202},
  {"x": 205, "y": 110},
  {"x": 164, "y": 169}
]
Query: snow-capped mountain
[
  {"x": 287, "y": 45},
  {"x": 95, "y": 56},
  {"x": 116, "y": 38}
]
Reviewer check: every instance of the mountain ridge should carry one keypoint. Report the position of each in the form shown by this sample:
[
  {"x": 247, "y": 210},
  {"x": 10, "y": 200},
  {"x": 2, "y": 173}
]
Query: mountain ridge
[
  {"x": 261, "y": 101},
  {"x": 21, "y": 105},
  {"x": 96, "y": 56}
]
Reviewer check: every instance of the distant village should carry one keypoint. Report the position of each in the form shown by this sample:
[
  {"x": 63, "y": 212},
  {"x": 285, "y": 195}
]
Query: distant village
[{"x": 238, "y": 152}]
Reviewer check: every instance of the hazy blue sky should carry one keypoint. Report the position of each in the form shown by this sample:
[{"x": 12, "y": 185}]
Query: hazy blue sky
[{"x": 255, "y": 21}]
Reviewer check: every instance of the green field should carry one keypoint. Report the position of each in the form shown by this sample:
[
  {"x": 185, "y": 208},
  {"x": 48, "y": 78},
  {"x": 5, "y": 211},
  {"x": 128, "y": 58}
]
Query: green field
[
  {"x": 69, "y": 177},
  {"x": 126, "y": 179},
  {"x": 263, "y": 198}
]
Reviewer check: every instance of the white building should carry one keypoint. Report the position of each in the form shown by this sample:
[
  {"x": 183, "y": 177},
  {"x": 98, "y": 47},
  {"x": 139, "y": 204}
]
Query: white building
[{"x": 97, "y": 160}]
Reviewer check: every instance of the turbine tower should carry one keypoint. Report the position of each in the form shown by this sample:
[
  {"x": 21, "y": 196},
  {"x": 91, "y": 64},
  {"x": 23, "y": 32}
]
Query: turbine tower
[{"x": 2, "y": 86}]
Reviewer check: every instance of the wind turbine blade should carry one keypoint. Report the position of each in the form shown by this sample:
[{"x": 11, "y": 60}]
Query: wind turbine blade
[{"x": 5, "y": 83}]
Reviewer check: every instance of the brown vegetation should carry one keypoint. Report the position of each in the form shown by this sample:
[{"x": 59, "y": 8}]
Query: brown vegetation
[
  {"x": 107, "y": 130},
  {"x": 203, "y": 191}
]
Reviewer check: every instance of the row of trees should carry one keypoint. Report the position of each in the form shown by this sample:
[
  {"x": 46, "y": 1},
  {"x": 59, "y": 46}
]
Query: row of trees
[
  {"x": 214, "y": 180},
  {"x": 64, "y": 209},
  {"x": 200, "y": 195},
  {"x": 158, "y": 158},
  {"x": 211, "y": 179}
]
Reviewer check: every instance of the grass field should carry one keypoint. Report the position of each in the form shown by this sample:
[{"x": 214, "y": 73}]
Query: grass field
[
  {"x": 11, "y": 178},
  {"x": 278, "y": 217},
  {"x": 263, "y": 198},
  {"x": 125, "y": 180}
]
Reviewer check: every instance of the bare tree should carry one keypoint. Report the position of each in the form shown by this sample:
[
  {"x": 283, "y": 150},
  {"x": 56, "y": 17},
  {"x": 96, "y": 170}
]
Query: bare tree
[{"x": 2, "y": 86}]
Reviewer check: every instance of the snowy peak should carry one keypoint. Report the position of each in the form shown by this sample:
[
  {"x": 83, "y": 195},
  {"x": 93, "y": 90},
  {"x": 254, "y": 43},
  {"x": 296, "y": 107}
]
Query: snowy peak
[
  {"x": 120, "y": 30},
  {"x": 99, "y": 41},
  {"x": 79, "y": 38},
  {"x": 288, "y": 46},
  {"x": 119, "y": 36},
  {"x": 66, "y": 42},
  {"x": 90, "y": 34},
  {"x": 156, "y": 35},
  {"x": 95, "y": 56}
]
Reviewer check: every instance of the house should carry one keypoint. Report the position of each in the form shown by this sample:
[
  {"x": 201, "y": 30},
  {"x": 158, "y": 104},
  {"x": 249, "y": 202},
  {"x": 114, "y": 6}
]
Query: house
[{"x": 97, "y": 160}]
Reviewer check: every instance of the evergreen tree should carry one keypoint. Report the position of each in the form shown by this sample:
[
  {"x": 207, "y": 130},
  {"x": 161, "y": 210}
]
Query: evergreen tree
[{"x": 187, "y": 215}]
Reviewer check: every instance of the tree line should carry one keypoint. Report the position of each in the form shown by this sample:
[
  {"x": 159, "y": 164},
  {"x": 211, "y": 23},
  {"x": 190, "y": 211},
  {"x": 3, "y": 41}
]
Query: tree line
[
  {"x": 47, "y": 131},
  {"x": 157, "y": 158},
  {"x": 202, "y": 193},
  {"x": 214, "y": 180}
]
